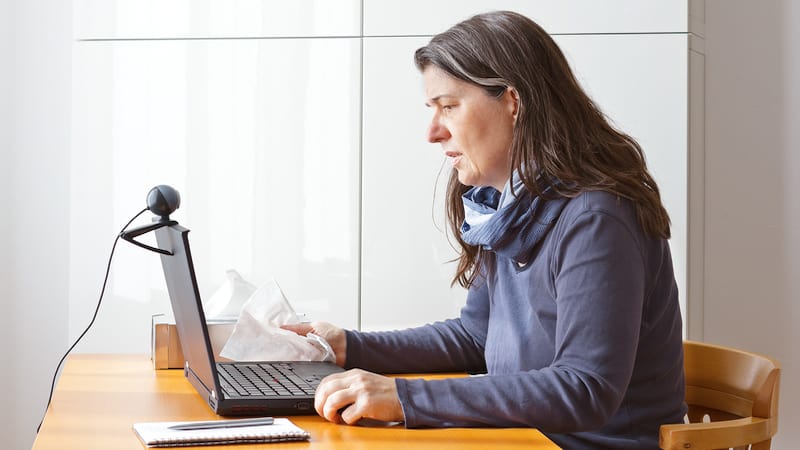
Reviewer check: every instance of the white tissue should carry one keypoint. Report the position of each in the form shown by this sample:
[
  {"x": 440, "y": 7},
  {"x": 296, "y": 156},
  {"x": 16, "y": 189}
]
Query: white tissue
[
  {"x": 228, "y": 300},
  {"x": 257, "y": 335}
]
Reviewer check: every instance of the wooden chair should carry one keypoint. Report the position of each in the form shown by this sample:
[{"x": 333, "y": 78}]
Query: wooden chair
[{"x": 737, "y": 390}]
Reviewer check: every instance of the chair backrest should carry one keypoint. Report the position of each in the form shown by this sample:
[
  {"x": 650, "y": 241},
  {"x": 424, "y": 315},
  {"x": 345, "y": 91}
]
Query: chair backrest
[{"x": 736, "y": 390}]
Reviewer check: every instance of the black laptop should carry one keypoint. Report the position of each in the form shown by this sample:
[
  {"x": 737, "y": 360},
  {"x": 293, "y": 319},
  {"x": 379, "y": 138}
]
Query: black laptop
[{"x": 230, "y": 388}]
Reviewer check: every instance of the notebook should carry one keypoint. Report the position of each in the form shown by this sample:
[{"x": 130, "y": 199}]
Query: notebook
[
  {"x": 158, "y": 434},
  {"x": 230, "y": 388}
]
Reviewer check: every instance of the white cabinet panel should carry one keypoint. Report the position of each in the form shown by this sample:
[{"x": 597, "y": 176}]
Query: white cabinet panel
[
  {"x": 261, "y": 138},
  {"x": 640, "y": 82},
  {"x": 428, "y": 17},
  {"x": 137, "y": 19},
  {"x": 405, "y": 275}
]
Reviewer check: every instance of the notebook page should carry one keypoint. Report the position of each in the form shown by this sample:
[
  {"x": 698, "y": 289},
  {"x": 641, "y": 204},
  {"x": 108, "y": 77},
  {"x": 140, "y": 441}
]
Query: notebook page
[{"x": 158, "y": 434}]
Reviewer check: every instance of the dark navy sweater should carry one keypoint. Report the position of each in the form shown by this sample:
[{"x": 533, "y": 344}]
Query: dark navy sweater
[{"x": 578, "y": 329}]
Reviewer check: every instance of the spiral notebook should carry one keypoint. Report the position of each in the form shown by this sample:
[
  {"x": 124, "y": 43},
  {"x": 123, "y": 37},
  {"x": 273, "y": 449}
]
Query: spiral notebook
[{"x": 158, "y": 434}]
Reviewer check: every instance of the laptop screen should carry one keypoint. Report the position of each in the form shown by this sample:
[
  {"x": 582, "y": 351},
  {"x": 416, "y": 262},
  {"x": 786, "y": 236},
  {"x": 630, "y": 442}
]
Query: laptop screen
[{"x": 187, "y": 306}]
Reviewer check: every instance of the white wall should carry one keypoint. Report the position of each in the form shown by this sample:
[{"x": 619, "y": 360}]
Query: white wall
[
  {"x": 752, "y": 297},
  {"x": 5, "y": 154},
  {"x": 35, "y": 90}
]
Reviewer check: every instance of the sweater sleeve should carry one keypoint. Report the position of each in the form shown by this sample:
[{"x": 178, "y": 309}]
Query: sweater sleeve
[
  {"x": 599, "y": 278},
  {"x": 446, "y": 346}
]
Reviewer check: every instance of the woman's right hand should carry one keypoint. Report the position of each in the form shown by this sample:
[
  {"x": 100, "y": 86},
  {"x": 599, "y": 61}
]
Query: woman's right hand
[{"x": 335, "y": 336}]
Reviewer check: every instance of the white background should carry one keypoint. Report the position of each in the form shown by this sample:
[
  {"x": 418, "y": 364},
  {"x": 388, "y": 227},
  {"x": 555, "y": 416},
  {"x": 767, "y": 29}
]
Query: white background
[{"x": 752, "y": 215}]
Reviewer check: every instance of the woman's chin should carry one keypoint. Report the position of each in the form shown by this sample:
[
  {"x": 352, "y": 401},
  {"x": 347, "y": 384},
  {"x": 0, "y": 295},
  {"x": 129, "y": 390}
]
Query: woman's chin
[{"x": 466, "y": 178}]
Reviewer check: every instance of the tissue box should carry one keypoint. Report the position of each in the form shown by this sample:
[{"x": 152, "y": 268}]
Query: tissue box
[{"x": 166, "y": 350}]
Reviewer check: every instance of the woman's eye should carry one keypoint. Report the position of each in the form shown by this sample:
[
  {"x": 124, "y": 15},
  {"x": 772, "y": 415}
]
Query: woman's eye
[{"x": 447, "y": 107}]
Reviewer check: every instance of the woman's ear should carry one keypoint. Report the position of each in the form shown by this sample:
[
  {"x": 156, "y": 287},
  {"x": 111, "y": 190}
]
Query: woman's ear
[{"x": 513, "y": 101}]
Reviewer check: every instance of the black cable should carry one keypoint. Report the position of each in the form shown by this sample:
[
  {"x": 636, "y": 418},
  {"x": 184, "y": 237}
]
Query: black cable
[{"x": 97, "y": 309}]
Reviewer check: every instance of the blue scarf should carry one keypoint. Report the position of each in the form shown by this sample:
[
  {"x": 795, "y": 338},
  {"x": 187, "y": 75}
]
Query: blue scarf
[{"x": 510, "y": 224}]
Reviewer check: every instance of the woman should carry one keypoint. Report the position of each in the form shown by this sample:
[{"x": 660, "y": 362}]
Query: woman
[{"x": 572, "y": 307}]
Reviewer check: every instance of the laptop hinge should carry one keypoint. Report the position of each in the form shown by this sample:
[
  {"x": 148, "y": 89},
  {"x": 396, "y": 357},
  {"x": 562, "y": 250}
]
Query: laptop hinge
[{"x": 212, "y": 398}]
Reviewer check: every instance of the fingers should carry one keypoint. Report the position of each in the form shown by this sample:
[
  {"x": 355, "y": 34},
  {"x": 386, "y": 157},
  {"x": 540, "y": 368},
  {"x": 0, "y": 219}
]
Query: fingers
[
  {"x": 356, "y": 394},
  {"x": 333, "y": 335},
  {"x": 300, "y": 328},
  {"x": 336, "y": 403},
  {"x": 324, "y": 329},
  {"x": 330, "y": 396},
  {"x": 352, "y": 414}
]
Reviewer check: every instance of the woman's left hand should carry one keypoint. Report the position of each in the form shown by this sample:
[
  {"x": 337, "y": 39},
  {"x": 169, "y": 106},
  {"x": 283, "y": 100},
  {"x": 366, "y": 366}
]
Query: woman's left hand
[{"x": 357, "y": 394}]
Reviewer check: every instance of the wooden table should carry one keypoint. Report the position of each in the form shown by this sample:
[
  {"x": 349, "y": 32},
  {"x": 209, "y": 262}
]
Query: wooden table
[{"x": 99, "y": 397}]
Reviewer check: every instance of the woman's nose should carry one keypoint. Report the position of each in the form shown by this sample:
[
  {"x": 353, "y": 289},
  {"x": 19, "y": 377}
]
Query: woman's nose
[{"x": 437, "y": 132}]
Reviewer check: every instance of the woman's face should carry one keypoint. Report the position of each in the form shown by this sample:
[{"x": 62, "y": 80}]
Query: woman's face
[{"x": 475, "y": 129}]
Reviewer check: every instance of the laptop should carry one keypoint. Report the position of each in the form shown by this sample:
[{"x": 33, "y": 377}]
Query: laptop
[{"x": 230, "y": 388}]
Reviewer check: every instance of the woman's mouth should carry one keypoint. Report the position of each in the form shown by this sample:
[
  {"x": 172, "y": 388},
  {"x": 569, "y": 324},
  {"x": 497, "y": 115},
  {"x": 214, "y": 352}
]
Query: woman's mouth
[{"x": 455, "y": 157}]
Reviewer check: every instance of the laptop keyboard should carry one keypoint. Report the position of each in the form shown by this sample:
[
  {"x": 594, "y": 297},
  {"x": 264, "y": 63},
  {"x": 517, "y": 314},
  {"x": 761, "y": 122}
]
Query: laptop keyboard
[{"x": 264, "y": 380}]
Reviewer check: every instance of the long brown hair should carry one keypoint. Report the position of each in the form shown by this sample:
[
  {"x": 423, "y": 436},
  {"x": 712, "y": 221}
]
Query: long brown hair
[{"x": 560, "y": 134}]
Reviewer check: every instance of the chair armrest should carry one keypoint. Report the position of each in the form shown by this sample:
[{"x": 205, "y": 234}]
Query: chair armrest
[{"x": 721, "y": 434}]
